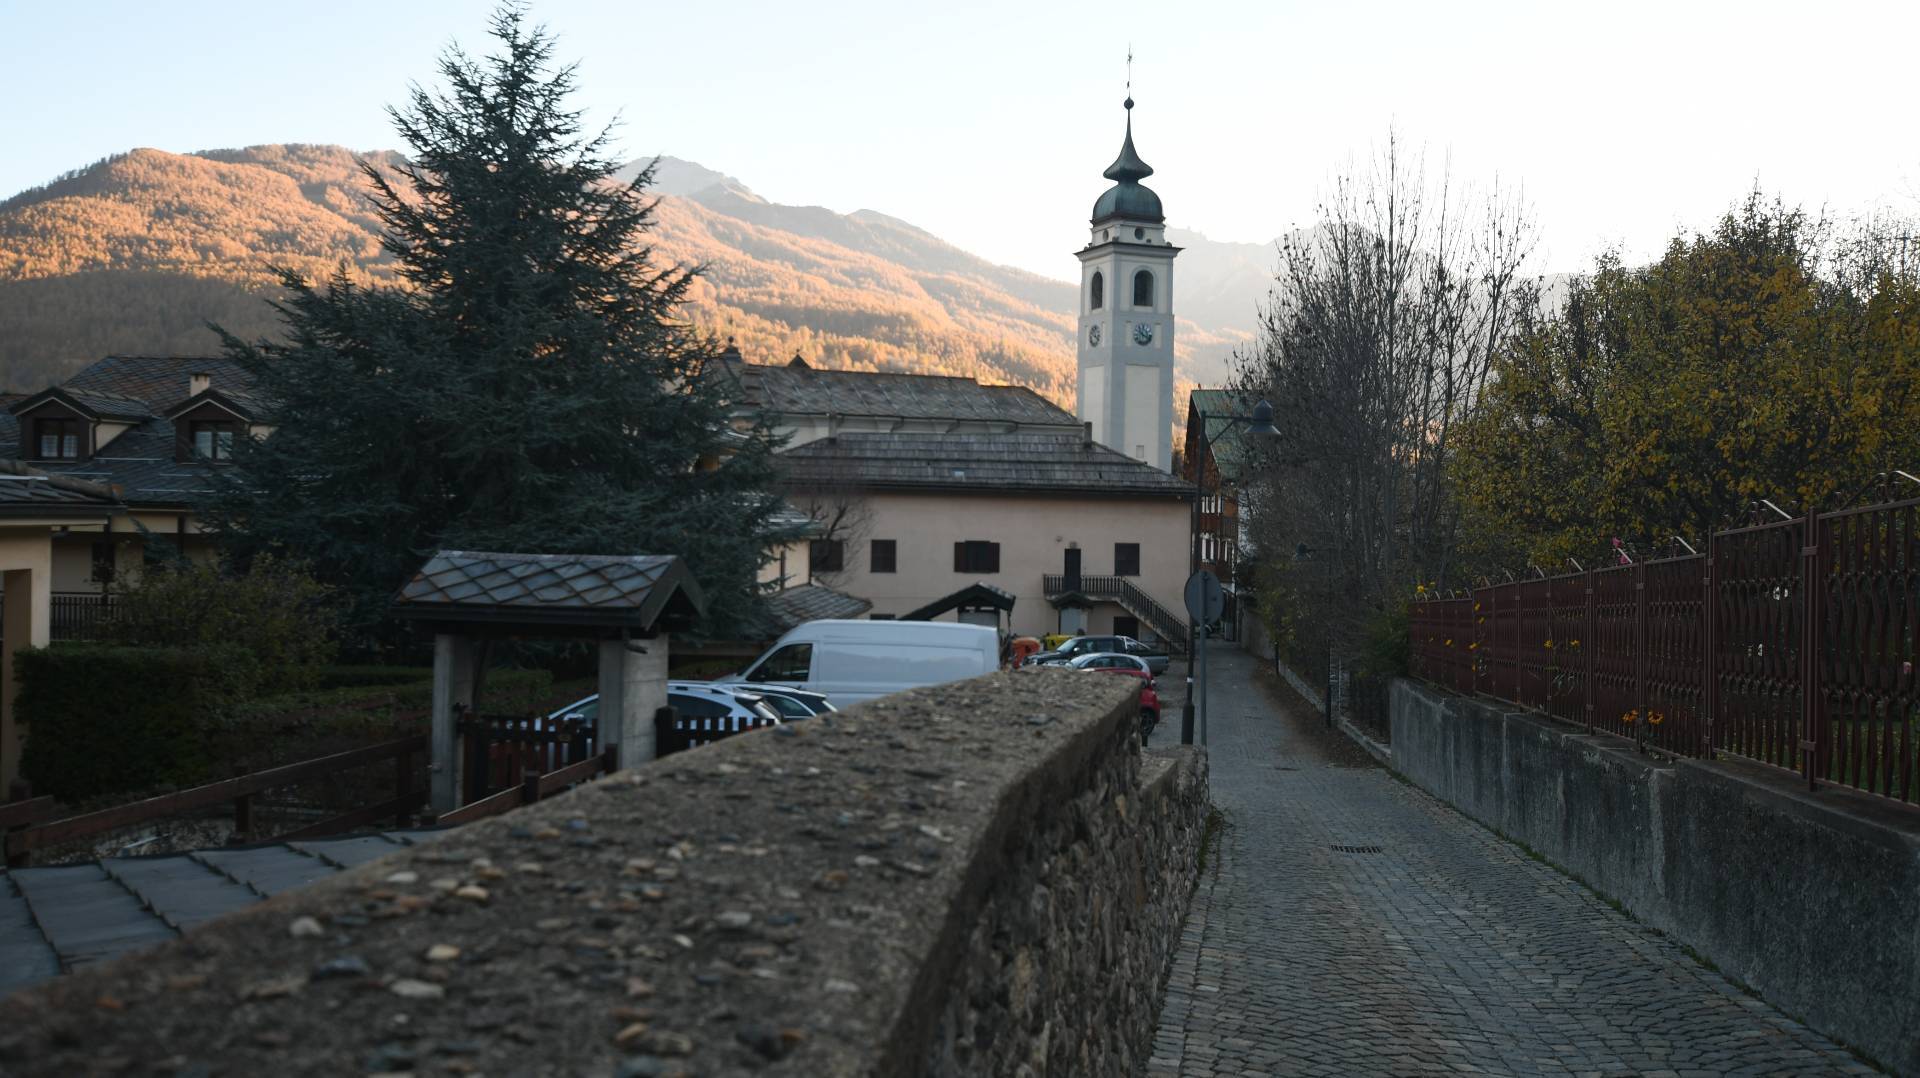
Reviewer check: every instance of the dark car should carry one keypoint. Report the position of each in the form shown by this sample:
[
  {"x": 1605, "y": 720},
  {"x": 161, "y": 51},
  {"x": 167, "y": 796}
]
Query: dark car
[{"x": 1156, "y": 658}]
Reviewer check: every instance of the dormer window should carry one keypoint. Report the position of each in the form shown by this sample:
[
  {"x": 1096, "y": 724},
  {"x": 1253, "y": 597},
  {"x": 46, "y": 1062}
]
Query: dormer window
[
  {"x": 213, "y": 439},
  {"x": 57, "y": 439}
]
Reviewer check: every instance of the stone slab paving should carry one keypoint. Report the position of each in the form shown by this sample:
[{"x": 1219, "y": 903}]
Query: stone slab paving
[{"x": 1448, "y": 951}]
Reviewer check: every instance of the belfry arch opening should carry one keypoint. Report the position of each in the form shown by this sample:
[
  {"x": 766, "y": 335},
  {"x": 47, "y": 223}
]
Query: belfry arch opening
[{"x": 1143, "y": 288}]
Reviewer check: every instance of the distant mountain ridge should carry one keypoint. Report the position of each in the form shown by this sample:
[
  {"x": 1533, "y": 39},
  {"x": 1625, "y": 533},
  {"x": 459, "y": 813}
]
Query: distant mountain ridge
[{"x": 137, "y": 253}]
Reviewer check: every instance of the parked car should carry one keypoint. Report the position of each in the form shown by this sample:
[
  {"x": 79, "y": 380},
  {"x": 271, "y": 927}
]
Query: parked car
[
  {"x": 696, "y": 699},
  {"x": 1156, "y": 658},
  {"x": 849, "y": 661},
  {"x": 792, "y": 703},
  {"x": 1107, "y": 660},
  {"x": 1128, "y": 666}
]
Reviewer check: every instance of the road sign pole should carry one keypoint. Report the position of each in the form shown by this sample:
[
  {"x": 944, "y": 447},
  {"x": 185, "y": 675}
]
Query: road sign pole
[
  {"x": 1201, "y": 687},
  {"x": 1205, "y": 601}
]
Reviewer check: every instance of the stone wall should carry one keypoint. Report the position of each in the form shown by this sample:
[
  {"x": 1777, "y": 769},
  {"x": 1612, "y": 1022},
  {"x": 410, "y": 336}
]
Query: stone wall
[
  {"x": 1063, "y": 970},
  {"x": 1812, "y": 899},
  {"x": 983, "y": 878}
]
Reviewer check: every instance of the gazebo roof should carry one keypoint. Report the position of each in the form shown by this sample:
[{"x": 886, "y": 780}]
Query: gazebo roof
[
  {"x": 569, "y": 592},
  {"x": 979, "y": 595}
]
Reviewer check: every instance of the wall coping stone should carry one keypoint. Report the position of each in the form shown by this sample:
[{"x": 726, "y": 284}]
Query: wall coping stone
[{"x": 794, "y": 900}]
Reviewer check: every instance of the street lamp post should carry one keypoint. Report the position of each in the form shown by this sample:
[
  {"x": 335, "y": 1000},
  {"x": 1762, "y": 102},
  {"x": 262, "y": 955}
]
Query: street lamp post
[
  {"x": 1304, "y": 552},
  {"x": 1260, "y": 424}
]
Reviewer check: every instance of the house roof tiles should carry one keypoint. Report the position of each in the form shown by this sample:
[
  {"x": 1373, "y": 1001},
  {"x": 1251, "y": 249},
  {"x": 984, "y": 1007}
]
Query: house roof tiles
[
  {"x": 159, "y": 381},
  {"x": 809, "y": 602},
  {"x": 30, "y": 491},
  {"x": 63, "y": 916},
  {"x": 797, "y": 389},
  {"x": 1020, "y": 461},
  {"x": 139, "y": 464},
  {"x": 1229, "y": 446}
]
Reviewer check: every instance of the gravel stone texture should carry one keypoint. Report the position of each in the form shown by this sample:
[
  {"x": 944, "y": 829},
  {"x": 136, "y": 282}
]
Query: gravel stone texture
[
  {"x": 1447, "y": 952},
  {"x": 806, "y": 904}
]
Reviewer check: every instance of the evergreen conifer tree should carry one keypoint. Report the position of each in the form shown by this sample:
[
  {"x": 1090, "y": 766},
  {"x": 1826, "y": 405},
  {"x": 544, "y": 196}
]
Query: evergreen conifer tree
[{"x": 529, "y": 387}]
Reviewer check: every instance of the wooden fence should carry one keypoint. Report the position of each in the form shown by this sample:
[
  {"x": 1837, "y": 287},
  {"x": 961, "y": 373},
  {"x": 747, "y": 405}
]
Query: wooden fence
[{"x": 32, "y": 825}]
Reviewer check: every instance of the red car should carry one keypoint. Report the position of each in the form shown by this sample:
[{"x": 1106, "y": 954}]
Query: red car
[{"x": 1133, "y": 667}]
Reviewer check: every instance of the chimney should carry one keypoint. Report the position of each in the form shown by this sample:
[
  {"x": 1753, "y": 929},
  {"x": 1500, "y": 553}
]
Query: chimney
[
  {"x": 198, "y": 382},
  {"x": 1089, "y": 436}
]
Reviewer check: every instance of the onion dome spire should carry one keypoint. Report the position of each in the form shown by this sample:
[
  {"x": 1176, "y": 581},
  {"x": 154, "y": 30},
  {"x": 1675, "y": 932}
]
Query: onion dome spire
[
  {"x": 1127, "y": 198},
  {"x": 1128, "y": 168}
]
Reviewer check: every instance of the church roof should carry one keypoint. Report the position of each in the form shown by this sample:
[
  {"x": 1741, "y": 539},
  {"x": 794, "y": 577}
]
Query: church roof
[{"x": 1127, "y": 197}]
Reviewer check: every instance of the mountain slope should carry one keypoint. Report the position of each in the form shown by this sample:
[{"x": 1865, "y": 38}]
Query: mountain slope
[{"x": 137, "y": 253}]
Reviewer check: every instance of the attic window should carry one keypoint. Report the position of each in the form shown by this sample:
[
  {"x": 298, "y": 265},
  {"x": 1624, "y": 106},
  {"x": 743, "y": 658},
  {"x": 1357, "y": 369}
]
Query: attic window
[
  {"x": 213, "y": 440},
  {"x": 58, "y": 439}
]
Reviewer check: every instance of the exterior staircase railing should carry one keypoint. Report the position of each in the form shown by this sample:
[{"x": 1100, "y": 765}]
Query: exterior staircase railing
[{"x": 1166, "y": 624}]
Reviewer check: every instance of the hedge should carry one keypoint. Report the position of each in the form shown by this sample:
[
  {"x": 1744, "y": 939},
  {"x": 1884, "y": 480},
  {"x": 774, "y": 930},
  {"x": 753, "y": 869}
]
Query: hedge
[
  {"x": 102, "y": 719},
  {"x": 506, "y": 691},
  {"x": 347, "y": 677}
]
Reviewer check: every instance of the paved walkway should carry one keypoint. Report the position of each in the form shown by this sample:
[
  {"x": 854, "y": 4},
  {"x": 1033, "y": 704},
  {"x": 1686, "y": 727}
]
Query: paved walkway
[{"x": 1427, "y": 945}]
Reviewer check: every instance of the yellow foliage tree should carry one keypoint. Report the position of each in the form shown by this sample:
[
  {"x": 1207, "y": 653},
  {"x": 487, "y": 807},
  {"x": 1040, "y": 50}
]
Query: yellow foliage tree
[{"x": 1777, "y": 357}]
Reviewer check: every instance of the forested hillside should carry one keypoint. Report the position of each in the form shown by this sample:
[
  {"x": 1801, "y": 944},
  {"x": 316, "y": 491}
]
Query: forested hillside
[{"x": 139, "y": 252}]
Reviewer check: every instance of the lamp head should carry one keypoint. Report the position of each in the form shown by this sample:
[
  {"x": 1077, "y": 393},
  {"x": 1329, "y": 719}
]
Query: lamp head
[{"x": 1261, "y": 422}]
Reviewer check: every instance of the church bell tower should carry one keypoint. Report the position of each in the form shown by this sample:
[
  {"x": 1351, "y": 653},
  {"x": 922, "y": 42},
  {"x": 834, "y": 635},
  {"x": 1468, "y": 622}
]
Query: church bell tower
[{"x": 1126, "y": 316}]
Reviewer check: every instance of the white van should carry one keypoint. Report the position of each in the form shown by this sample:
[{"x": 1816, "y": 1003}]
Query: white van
[{"x": 851, "y": 661}]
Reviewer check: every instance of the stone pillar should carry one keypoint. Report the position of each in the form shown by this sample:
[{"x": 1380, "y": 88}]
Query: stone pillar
[
  {"x": 453, "y": 657},
  {"x": 25, "y": 620},
  {"x": 633, "y": 685}
]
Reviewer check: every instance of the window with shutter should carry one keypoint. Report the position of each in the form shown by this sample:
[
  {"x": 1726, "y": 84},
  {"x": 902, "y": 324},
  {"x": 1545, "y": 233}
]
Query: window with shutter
[
  {"x": 1126, "y": 559},
  {"x": 884, "y": 556},
  {"x": 976, "y": 556}
]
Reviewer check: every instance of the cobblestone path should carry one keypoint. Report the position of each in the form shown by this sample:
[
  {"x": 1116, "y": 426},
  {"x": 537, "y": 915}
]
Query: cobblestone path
[{"x": 1352, "y": 925}]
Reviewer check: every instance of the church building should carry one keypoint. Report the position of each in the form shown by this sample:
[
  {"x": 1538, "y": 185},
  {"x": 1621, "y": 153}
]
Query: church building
[
  {"x": 940, "y": 497},
  {"x": 1126, "y": 316}
]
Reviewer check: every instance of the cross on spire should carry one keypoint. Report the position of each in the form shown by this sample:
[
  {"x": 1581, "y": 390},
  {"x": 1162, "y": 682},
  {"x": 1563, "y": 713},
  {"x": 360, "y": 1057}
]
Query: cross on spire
[{"x": 1129, "y": 75}]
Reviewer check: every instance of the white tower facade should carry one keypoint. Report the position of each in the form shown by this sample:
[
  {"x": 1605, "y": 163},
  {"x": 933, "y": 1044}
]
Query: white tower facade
[{"x": 1126, "y": 316}]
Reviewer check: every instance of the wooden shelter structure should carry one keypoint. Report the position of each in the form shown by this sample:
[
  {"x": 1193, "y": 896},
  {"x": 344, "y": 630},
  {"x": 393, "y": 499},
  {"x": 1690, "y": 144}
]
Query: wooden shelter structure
[{"x": 629, "y": 604}]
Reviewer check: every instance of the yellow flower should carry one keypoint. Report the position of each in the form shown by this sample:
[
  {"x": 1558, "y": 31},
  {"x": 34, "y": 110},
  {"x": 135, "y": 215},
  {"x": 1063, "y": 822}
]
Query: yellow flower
[
  {"x": 1449, "y": 641},
  {"x": 1573, "y": 643},
  {"x": 1473, "y": 645},
  {"x": 1549, "y": 645},
  {"x": 1655, "y": 718}
]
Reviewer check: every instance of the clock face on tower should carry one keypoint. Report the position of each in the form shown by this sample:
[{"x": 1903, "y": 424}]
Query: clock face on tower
[
  {"x": 1143, "y": 334},
  {"x": 1093, "y": 335}
]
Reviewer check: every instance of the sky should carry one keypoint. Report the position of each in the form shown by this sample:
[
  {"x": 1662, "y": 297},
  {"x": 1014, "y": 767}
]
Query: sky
[{"x": 988, "y": 123}]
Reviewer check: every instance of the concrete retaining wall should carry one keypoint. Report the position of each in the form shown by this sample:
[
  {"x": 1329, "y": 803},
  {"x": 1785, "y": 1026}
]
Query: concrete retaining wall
[
  {"x": 1813, "y": 899},
  {"x": 983, "y": 878}
]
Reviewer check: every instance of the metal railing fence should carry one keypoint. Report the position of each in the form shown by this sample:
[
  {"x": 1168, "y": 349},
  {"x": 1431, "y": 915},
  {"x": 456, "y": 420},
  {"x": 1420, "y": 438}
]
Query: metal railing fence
[{"x": 1708, "y": 653}]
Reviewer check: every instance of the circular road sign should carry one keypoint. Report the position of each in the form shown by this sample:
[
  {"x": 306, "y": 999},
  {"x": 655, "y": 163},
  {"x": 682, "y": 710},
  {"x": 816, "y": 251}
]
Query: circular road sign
[{"x": 1204, "y": 599}]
